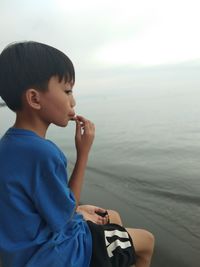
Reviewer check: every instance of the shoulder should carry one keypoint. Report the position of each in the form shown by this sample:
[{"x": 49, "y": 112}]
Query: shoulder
[
  {"x": 55, "y": 149},
  {"x": 30, "y": 147},
  {"x": 46, "y": 149}
]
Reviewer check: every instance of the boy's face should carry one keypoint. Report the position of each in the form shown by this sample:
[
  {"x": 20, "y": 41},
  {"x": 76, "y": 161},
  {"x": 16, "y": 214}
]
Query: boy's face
[{"x": 57, "y": 103}]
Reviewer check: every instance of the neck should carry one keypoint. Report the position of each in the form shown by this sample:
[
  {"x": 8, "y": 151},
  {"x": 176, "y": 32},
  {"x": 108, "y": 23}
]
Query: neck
[{"x": 28, "y": 121}]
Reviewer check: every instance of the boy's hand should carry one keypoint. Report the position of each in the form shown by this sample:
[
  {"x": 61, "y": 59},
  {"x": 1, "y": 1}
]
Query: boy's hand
[
  {"x": 94, "y": 214},
  {"x": 85, "y": 131}
]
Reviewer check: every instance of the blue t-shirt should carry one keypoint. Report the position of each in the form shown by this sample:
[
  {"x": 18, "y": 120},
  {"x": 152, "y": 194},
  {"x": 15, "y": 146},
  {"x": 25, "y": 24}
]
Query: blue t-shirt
[{"x": 39, "y": 226}]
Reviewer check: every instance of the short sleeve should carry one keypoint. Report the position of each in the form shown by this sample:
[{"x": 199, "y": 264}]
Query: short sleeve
[{"x": 53, "y": 199}]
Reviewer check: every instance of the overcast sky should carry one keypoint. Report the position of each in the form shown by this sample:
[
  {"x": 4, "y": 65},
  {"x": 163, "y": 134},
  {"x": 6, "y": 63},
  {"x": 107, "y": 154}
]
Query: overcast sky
[{"x": 107, "y": 38}]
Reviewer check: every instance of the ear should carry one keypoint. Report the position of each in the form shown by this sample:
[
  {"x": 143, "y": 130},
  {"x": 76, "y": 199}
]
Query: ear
[{"x": 33, "y": 98}]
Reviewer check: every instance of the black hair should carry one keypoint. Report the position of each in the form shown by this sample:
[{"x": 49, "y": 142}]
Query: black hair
[{"x": 30, "y": 64}]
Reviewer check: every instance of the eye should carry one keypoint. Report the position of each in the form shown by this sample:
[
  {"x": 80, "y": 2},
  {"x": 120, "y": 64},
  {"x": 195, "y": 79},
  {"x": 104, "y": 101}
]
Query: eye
[{"x": 68, "y": 92}]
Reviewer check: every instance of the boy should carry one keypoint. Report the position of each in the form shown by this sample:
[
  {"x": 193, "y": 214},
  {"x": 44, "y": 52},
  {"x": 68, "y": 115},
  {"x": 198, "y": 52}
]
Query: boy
[{"x": 39, "y": 224}]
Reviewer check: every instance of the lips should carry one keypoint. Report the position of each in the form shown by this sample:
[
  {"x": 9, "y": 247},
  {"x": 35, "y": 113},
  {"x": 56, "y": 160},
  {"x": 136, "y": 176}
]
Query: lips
[{"x": 72, "y": 116}]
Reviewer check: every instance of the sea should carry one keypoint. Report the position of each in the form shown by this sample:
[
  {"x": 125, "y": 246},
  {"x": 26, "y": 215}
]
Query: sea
[{"x": 147, "y": 153}]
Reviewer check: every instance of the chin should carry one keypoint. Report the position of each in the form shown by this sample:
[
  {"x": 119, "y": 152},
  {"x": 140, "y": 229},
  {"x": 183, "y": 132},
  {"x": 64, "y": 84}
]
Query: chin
[{"x": 62, "y": 124}]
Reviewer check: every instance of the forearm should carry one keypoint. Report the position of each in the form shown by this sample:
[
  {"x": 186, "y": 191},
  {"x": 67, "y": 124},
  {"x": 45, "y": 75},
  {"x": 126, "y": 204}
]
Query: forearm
[
  {"x": 77, "y": 177},
  {"x": 84, "y": 137}
]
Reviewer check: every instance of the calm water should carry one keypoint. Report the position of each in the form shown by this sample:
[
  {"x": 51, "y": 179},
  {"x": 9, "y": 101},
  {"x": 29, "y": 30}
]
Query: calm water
[{"x": 147, "y": 147}]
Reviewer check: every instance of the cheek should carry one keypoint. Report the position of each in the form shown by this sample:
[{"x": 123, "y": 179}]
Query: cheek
[
  {"x": 56, "y": 105},
  {"x": 59, "y": 102}
]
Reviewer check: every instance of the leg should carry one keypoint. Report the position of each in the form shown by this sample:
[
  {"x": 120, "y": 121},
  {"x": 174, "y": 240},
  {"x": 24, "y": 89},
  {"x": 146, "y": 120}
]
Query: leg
[
  {"x": 114, "y": 217},
  {"x": 144, "y": 244}
]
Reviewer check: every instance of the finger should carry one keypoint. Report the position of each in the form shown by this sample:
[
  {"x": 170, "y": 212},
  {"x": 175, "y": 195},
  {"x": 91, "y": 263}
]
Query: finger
[
  {"x": 78, "y": 129},
  {"x": 107, "y": 219},
  {"x": 100, "y": 220},
  {"x": 81, "y": 118},
  {"x": 91, "y": 126},
  {"x": 90, "y": 129},
  {"x": 85, "y": 122},
  {"x": 87, "y": 127},
  {"x": 100, "y": 210}
]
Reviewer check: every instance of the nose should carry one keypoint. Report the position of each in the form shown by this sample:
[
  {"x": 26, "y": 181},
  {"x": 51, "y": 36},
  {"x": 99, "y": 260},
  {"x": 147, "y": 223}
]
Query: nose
[{"x": 73, "y": 102}]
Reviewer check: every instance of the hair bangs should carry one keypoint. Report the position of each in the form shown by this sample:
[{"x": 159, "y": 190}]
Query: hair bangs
[{"x": 61, "y": 65}]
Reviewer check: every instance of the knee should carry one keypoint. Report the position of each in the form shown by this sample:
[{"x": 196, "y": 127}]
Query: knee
[
  {"x": 113, "y": 213},
  {"x": 143, "y": 242},
  {"x": 150, "y": 242},
  {"x": 114, "y": 217}
]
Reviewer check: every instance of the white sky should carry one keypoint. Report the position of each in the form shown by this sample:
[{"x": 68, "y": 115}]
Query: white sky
[
  {"x": 108, "y": 32},
  {"x": 103, "y": 34}
]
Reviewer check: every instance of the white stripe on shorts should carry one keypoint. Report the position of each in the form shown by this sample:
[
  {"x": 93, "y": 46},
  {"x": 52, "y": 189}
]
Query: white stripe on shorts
[{"x": 117, "y": 243}]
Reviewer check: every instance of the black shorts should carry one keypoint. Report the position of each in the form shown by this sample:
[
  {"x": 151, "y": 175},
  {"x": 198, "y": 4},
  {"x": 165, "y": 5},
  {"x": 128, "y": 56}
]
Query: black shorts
[{"x": 112, "y": 246}]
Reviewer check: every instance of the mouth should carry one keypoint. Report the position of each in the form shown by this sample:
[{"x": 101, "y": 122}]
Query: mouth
[{"x": 72, "y": 117}]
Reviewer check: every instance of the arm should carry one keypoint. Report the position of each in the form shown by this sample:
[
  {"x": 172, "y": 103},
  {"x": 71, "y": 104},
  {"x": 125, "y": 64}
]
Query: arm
[{"x": 84, "y": 137}]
